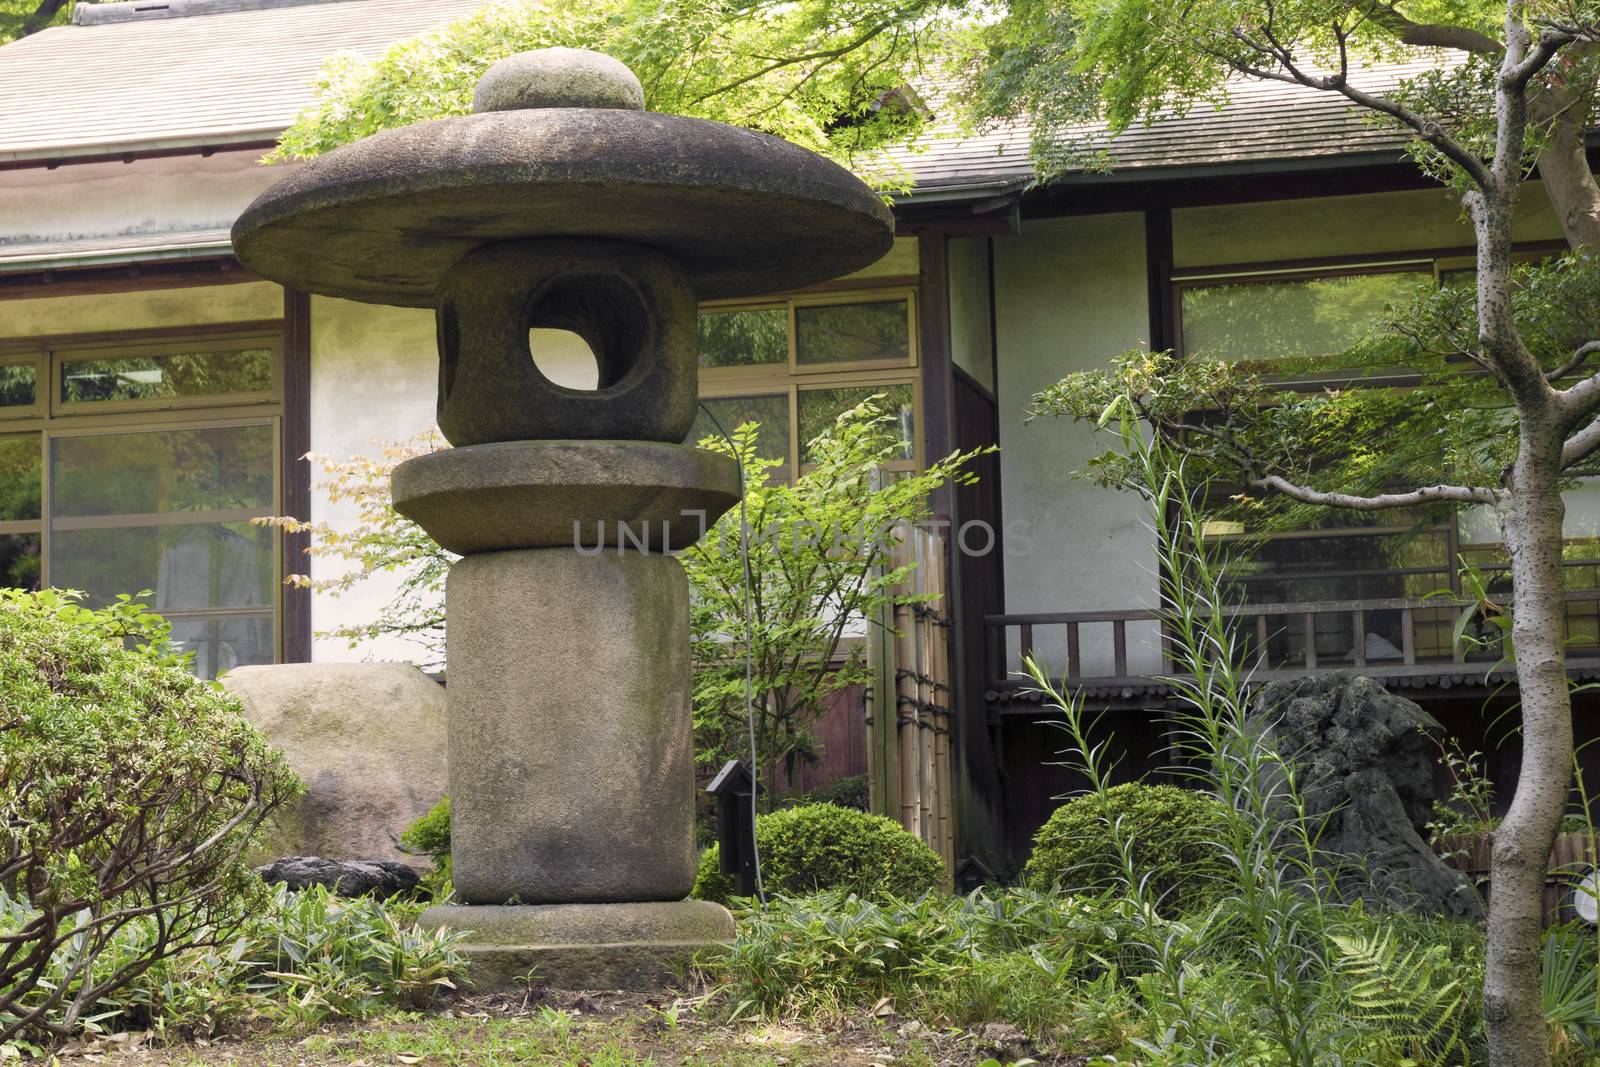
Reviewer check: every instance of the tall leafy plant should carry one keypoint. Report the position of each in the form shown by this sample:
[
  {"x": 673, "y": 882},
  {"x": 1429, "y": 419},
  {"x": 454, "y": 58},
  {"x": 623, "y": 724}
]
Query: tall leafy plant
[
  {"x": 1273, "y": 911},
  {"x": 821, "y": 572}
]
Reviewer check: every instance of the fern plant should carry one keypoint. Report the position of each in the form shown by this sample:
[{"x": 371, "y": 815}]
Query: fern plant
[{"x": 1414, "y": 994}]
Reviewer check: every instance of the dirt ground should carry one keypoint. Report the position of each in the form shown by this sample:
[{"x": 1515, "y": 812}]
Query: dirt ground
[{"x": 576, "y": 1030}]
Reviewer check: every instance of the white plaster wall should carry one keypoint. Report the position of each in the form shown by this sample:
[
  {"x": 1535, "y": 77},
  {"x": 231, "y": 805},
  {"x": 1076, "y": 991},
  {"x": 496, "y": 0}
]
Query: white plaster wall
[
  {"x": 373, "y": 376},
  {"x": 1371, "y": 224},
  {"x": 141, "y": 310},
  {"x": 1070, "y": 294},
  {"x": 167, "y": 195},
  {"x": 971, "y": 344}
]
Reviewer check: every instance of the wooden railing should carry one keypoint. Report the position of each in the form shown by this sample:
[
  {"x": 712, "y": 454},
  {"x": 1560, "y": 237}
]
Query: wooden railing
[{"x": 1280, "y": 638}]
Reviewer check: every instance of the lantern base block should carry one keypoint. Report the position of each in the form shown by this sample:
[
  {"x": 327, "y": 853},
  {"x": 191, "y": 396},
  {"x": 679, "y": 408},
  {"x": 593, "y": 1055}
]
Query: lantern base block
[{"x": 642, "y": 947}]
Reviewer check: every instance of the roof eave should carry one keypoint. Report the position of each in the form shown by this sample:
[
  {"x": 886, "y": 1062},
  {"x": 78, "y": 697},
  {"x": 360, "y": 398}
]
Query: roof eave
[{"x": 216, "y": 141}]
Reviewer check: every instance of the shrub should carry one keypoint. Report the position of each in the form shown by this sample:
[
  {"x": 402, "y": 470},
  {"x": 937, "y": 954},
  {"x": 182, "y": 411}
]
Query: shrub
[
  {"x": 430, "y": 836},
  {"x": 852, "y": 792},
  {"x": 303, "y": 958},
  {"x": 824, "y": 846},
  {"x": 1041, "y": 961},
  {"x": 128, "y": 791},
  {"x": 1172, "y": 832}
]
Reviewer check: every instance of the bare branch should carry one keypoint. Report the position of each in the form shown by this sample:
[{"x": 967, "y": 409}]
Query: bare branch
[
  {"x": 1429, "y": 494},
  {"x": 1579, "y": 358},
  {"x": 1425, "y": 128}
]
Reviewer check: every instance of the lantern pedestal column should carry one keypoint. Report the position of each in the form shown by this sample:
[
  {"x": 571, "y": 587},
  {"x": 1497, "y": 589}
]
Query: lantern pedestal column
[{"x": 570, "y": 751}]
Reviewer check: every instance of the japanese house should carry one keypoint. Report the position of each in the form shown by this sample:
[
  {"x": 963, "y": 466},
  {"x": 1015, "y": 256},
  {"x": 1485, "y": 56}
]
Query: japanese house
[{"x": 155, "y": 396}]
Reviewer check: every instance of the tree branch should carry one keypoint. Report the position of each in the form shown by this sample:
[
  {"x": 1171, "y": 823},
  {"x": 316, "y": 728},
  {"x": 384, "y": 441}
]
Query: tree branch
[
  {"x": 1425, "y": 128},
  {"x": 1579, "y": 358},
  {"x": 1429, "y": 35},
  {"x": 1581, "y": 445},
  {"x": 1429, "y": 494}
]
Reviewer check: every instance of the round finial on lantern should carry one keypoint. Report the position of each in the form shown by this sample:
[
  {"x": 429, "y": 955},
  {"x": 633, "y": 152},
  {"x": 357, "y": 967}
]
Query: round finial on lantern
[{"x": 558, "y": 77}]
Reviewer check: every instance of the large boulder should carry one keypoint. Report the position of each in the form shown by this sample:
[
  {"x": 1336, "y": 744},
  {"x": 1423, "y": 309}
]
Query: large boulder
[
  {"x": 1364, "y": 760},
  {"x": 368, "y": 740}
]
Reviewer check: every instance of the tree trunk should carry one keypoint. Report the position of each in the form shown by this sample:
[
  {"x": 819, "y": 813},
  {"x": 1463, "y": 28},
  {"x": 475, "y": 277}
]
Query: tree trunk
[
  {"x": 1564, "y": 164},
  {"x": 1570, "y": 185},
  {"x": 1518, "y": 1033}
]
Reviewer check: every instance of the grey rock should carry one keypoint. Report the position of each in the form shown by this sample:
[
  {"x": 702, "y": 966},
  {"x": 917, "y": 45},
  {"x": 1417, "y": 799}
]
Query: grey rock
[
  {"x": 571, "y": 760},
  {"x": 546, "y": 494},
  {"x": 1365, "y": 764},
  {"x": 1009, "y": 1041},
  {"x": 368, "y": 741},
  {"x": 633, "y": 307},
  {"x": 558, "y": 77},
  {"x": 583, "y": 946},
  {"x": 347, "y": 878}
]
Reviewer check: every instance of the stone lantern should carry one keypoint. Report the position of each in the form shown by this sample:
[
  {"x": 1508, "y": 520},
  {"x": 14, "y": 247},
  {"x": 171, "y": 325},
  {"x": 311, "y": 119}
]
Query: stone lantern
[{"x": 560, "y": 203}]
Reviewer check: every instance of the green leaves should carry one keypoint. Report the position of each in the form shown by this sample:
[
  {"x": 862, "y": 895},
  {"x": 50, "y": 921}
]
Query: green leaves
[
  {"x": 129, "y": 789},
  {"x": 1415, "y": 993},
  {"x": 819, "y": 73},
  {"x": 821, "y": 572}
]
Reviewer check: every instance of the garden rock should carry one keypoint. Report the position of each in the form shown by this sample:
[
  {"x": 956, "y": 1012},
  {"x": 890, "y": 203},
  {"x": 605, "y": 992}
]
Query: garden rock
[
  {"x": 368, "y": 741},
  {"x": 347, "y": 878},
  {"x": 1365, "y": 762}
]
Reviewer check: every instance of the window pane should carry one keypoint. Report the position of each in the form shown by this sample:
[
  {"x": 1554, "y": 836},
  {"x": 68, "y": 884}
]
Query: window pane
[
  {"x": 19, "y": 386},
  {"x": 188, "y": 567},
  {"x": 820, "y": 408},
  {"x": 771, "y": 411},
  {"x": 226, "y": 468},
  {"x": 842, "y": 333},
  {"x": 743, "y": 338},
  {"x": 1350, "y": 567},
  {"x": 19, "y": 478},
  {"x": 19, "y": 561},
  {"x": 222, "y": 642},
  {"x": 1277, "y": 320},
  {"x": 160, "y": 377}
]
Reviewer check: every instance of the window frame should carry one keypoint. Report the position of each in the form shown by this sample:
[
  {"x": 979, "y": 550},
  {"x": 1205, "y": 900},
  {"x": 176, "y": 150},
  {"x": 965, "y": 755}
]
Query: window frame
[
  {"x": 788, "y": 379},
  {"x": 1438, "y": 262},
  {"x": 224, "y": 341},
  {"x": 40, "y": 360},
  {"x": 46, "y": 422}
]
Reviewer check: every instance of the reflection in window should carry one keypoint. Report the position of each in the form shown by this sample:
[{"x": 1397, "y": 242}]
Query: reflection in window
[
  {"x": 770, "y": 410},
  {"x": 19, "y": 561},
  {"x": 743, "y": 338},
  {"x": 211, "y": 469},
  {"x": 820, "y": 408},
  {"x": 841, "y": 333},
  {"x": 19, "y": 385},
  {"x": 20, "y": 469},
  {"x": 169, "y": 511},
  {"x": 1287, "y": 319},
  {"x": 166, "y": 376}
]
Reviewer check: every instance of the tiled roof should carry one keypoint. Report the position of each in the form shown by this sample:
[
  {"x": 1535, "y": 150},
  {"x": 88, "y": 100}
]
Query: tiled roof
[
  {"x": 220, "y": 74},
  {"x": 1263, "y": 122},
  {"x": 219, "y": 77}
]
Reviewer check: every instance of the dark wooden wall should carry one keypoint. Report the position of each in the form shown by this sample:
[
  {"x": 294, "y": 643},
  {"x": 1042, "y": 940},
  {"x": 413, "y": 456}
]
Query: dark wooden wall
[{"x": 979, "y": 590}]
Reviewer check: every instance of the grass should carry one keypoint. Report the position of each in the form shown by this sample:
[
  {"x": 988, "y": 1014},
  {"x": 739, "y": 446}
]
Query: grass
[{"x": 570, "y": 1030}]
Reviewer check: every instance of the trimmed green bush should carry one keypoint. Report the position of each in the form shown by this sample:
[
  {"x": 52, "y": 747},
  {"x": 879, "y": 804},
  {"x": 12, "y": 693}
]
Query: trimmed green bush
[
  {"x": 824, "y": 846},
  {"x": 430, "y": 836},
  {"x": 1172, "y": 831},
  {"x": 129, "y": 791}
]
